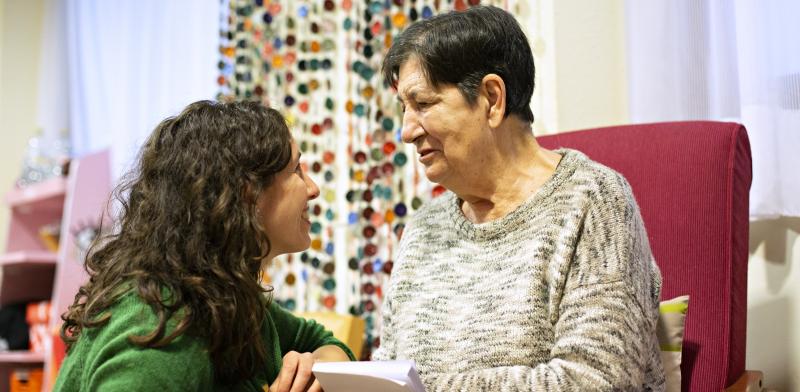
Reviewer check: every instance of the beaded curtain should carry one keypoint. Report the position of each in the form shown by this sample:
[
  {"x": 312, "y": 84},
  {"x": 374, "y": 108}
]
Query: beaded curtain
[{"x": 318, "y": 62}]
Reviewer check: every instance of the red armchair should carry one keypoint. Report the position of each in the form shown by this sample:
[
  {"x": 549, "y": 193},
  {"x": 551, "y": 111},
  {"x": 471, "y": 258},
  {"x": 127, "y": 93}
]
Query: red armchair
[{"x": 692, "y": 183}]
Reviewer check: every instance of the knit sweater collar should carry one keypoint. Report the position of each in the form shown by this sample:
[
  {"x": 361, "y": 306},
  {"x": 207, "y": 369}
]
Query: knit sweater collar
[{"x": 485, "y": 231}]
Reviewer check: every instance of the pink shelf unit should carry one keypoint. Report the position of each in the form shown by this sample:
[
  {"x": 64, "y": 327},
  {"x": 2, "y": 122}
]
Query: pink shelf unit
[
  {"x": 22, "y": 358},
  {"x": 48, "y": 194},
  {"x": 30, "y": 271}
]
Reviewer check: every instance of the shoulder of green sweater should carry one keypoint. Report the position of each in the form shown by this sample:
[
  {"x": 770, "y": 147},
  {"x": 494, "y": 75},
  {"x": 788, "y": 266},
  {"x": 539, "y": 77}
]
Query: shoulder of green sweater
[{"x": 131, "y": 316}]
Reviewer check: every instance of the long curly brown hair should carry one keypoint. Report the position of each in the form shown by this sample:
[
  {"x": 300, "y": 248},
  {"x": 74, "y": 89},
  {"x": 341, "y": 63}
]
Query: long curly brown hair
[{"x": 188, "y": 240}]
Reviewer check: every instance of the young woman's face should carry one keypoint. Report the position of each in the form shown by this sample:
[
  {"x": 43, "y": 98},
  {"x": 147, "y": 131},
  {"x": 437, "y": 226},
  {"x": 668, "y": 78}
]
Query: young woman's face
[{"x": 283, "y": 208}]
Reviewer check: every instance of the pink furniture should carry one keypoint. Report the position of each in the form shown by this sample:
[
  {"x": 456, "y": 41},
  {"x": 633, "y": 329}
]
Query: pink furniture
[
  {"x": 31, "y": 272},
  {"x": 692, "y": 183}
]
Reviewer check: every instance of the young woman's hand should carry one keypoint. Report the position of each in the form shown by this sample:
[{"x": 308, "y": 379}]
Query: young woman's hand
[{"x": 295, "y": 375}]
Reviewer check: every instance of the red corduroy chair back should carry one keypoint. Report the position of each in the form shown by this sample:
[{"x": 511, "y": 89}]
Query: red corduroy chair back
[{"x": 692, "y": 183}]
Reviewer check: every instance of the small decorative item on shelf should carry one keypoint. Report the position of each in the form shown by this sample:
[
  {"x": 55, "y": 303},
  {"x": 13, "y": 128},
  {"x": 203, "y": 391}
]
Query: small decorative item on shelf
[
  {"x": 26, "y": 380},
  {"x": 46, "y": 157},
  {"x": 49, "y": 234},
  {"x": 38, "y": 317}
]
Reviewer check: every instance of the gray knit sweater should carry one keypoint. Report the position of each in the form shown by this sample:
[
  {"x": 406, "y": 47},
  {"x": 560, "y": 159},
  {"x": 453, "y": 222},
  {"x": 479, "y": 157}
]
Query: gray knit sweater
[{"x": 559, "y": 295}]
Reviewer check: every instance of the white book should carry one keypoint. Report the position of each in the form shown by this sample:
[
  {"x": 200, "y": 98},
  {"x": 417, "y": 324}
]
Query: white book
[{"x": 368, "y": 376}]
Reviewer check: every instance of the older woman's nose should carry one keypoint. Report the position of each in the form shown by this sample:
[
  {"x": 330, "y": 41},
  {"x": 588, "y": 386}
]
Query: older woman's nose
[{"x": 411, "y": 127}]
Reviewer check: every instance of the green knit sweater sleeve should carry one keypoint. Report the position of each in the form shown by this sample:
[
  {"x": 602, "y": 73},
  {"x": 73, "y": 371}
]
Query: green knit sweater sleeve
[
  {"x": 301, "y": 335},
  {"x": 105, "y": 360}
]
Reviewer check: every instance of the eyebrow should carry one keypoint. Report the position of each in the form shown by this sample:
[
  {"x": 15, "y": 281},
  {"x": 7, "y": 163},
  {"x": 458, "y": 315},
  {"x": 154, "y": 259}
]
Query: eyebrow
[{"x": 412, "y": 94}]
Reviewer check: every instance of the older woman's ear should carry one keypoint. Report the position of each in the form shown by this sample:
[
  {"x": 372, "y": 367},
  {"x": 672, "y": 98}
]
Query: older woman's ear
[{"x": 493, "y": 90}]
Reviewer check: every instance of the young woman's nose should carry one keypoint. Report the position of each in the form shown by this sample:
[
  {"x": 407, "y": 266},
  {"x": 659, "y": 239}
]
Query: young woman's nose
[{"x": 311, "y": 188}]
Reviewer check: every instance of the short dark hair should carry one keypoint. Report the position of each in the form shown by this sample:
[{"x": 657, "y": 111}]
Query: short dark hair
[{"x": 461, "y": 47}]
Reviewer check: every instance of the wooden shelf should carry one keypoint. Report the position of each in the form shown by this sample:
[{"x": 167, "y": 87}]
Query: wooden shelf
[
  {"x": 21, "y": 357},
  {"x": 48, "y": 194},
  {"x": 32, "y": 258}
]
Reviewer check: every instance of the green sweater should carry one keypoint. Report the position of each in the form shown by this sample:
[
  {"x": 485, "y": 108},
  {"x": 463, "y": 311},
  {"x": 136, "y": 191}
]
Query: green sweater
[{"x": 103, "y": 358}]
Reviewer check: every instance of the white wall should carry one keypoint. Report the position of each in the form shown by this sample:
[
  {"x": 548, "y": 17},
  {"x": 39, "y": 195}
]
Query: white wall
[{"x": 20, "y": 40}]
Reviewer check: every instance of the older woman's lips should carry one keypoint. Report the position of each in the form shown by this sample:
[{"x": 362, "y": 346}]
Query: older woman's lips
[{"x": 426, "y": 156}]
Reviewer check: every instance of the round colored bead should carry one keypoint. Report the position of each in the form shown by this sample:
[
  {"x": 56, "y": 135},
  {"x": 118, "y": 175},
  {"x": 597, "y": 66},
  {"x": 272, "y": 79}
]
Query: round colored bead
[
  {"x": 367, "y": 269},
  {"x": 427, "y": 12},
  {"x": 387, "y": 267},
  {"x": 437, "y": 190},
  {"x": 398, "y": 229},
  {"x": 399, "y": 20},
  {"x": 352, "y": 218},
  {"x": 329, "y": 248},
  {"x": 328, "y": 176},
  {"x": 368, "y": 231},
  {"x": 400, "y": 159},
  {"x": 376, "y": 219},
  {"x": 367, "y": 213},
  {"x": 329, "y": 284},
  {"x": 329, "y": 268},
  {"x": 316, "y": 228},
  {"x": 329, "y": 301},
  {"x": 367, "y": 196},
  {"x": 352, "y": 263},
  {"x": 329, "y": 215},
  {"x": 316, "y": 244},
  {"x": 376, "y": 154},
  {"x": 290, "y": 279},
  {"x": 416, "y": 203},
  {"x": 290, "y": 304},
  {"x": 368, "y": 288},
  {"x": 360, "y": 157},
  {"x": 400, "y": 209},
  {"x": 315, "y": 262},
  {"x": 387, "y": 124}
]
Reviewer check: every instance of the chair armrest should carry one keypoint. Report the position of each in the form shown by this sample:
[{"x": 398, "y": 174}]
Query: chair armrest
[{"x": 750, "y": 381}]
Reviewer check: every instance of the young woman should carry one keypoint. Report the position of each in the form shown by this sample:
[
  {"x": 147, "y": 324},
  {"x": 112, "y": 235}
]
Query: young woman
[{"x": 174, "y": 300}]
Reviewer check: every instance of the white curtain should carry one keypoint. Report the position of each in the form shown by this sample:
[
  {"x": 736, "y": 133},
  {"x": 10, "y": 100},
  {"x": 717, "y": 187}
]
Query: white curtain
[
  {"x": 729, "y": 61},
  {"x": 112, "y": 69}
]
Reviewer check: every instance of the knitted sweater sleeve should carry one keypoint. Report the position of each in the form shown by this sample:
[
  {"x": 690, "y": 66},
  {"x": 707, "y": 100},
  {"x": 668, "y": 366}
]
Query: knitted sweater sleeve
[
  {"x": 301, "y": 335},
  {"x": 604, "y": 319},
  {"x": 107, "y": 361}
]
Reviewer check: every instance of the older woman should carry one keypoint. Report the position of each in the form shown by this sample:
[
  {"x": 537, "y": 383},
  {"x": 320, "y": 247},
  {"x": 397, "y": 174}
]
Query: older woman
[{"x": 534, "y": 271}]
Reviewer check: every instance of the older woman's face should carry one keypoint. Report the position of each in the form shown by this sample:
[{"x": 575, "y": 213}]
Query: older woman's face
[{"x": 447, "y": 132}]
